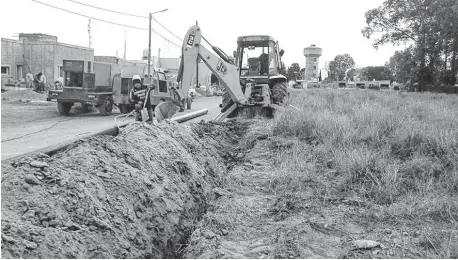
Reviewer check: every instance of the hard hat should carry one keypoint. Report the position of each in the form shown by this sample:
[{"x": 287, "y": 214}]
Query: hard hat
[{"x": 136, "y": 79}]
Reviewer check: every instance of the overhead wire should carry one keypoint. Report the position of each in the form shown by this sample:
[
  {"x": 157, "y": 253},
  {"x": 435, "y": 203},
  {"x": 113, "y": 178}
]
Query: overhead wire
[
  {"x": 105, "y": 21},
  {"x": 167, "y": 29},
  {"x": 100, "y": 8},
  {"x": 133, "y": 15}
]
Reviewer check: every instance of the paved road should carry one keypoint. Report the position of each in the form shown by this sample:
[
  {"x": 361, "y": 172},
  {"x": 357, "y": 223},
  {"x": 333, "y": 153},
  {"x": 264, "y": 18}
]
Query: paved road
[{"x": 30, "y": 127}]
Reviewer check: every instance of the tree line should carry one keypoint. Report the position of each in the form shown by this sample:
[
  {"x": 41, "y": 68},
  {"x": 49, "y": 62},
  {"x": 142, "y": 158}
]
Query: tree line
[{"x": 428, "y": 29}]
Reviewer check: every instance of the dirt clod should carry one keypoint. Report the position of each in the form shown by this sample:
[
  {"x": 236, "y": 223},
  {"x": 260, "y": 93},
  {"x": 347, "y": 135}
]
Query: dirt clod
[
  {"x": 31, "y": 179},
  {"x": 38, "y": 164}
]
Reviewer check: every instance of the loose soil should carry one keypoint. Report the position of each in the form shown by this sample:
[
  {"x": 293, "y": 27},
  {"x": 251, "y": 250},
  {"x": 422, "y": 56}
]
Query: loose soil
[
  {"x": 136, "y": 195},
  {"x": 23, "y": 95}
]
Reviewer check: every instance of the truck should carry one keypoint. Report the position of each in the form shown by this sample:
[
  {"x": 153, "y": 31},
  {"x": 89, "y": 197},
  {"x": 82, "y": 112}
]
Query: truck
[
  {"x": 122, "y": 85},
  {"x": 108, "y": 85},
  {"x": 81, "y": 85}
]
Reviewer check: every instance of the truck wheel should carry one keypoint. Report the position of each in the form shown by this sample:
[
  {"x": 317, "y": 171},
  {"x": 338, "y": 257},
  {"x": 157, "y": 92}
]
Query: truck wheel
[
  {"x": 280, "y": 93},
  {"x": 64, "y": 107},
  {"x": 188, "y": 103},
  {"x": 125, "y": 109},
  {"x": 86, "y": 107},
  {"x": 106, "y": 107}
]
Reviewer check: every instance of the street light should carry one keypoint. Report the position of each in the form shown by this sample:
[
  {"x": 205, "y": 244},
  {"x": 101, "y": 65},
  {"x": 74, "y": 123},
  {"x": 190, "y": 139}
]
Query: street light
[{"x": 149, "y": 40}]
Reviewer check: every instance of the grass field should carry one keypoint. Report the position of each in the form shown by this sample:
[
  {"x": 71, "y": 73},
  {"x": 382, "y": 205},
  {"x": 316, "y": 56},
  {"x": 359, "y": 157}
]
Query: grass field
[{"x": 397, "y": 151}]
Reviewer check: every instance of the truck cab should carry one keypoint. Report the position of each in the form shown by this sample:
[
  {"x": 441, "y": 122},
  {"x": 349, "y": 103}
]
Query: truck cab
[{"x": 122, "y": 85}]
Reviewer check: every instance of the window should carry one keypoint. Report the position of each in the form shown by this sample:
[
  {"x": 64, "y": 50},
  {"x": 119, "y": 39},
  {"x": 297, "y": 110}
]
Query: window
[
  {"x": 89, "y": 67},
  {"x": 5, "y": 70},
  {"x": 314, "y": 67},
  {"x": 315, "y": 59},
  {"x": 61, "y": 71}
]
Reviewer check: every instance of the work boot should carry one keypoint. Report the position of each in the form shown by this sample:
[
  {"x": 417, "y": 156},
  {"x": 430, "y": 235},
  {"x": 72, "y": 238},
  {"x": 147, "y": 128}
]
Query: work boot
[{"x": 150, "y": 116}]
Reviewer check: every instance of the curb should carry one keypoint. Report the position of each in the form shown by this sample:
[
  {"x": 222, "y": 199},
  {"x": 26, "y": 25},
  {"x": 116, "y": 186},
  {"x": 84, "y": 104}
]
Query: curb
[{"x": 52, "y": 149}]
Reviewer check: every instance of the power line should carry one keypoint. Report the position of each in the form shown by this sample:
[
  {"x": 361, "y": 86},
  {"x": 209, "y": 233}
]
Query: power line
[
  {"x": 116, "y": 12},
  {"x": 134, "y": 15},
  {"x": 124, "y": 25},
  {"x": 167, "y": 29}
]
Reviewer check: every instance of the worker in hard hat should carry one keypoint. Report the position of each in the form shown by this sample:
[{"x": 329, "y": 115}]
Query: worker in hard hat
[{"x": 139, "y": 95}]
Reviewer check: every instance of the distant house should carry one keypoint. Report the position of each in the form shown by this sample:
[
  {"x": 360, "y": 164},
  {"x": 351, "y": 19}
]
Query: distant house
[
  {"x": 172, "y": 65},
  {"x": 38, "y": 52}
]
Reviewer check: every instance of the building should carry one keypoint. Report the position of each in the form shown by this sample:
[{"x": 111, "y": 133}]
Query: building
[
  {"x": 38, "y": 52},
  {"x": 172, "y": 65},
  {"x": 312, "y": 58}
]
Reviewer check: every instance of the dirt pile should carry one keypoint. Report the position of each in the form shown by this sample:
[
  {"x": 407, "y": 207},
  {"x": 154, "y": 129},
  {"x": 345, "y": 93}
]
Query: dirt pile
[
  {"x": 135, "y": 195},
  {"x": 22, "y": 95}
]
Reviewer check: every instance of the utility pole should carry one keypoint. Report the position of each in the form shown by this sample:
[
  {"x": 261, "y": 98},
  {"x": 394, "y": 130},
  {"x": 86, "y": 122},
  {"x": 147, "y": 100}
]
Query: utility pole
[
  {"x": 159, "y": 58},
  {"x": 149, "y": 44},
  {"x": 125, "y": 43},
  {"x": 197, "y": 68},
  {"x": 89, "y": 31},
  {"x": 149, "y": 39}
]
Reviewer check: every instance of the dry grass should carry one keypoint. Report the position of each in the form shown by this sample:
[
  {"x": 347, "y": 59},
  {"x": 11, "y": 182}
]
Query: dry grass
[{"x": 397, "y": 150}]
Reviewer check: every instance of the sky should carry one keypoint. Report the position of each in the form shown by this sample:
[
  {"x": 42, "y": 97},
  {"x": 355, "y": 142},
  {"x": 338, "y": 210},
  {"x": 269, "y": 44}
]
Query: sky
[{"x": 333, "y": 25}]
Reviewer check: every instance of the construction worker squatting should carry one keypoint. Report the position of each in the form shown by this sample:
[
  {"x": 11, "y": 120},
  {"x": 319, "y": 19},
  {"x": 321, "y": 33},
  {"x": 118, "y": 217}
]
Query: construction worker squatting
[{"x": 139, "y": 95}]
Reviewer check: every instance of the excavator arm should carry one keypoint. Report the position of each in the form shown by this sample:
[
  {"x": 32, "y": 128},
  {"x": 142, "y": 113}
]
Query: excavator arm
[{"x": 227, "y": 73}]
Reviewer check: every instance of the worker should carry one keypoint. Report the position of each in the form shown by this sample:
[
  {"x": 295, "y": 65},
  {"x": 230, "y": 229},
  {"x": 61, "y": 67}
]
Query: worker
[
  {"x": 29, "y": 79},
  {"x": 139, "y": 95},
  {"x": 42, "y": 83},
  {"x": 36, "y": 82}
]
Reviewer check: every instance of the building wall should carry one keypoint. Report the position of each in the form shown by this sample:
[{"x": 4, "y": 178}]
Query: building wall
[
  {"x": 45, "y": 56},
  {"x": 311, "y": 67},
  {"x": 12, "y": 57}
]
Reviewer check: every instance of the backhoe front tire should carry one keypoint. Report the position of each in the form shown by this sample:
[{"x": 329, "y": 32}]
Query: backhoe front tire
[{"x": 280, "y": 93}]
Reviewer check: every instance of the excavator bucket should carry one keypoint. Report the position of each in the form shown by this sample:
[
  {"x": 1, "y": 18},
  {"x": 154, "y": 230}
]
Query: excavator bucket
[{"x": 165, "y": 110}]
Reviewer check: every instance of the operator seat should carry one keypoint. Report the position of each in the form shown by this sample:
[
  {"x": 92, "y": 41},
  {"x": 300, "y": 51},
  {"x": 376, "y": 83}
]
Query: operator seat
[
  {"x": 254, "y": 66},
  {"x": 264, "y": 60}
]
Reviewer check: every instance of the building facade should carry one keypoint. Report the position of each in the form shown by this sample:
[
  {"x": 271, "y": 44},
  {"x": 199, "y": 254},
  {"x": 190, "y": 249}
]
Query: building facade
[{"x": 38, "y": 53}]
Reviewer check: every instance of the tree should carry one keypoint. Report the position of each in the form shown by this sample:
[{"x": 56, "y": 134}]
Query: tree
[
  {"x": 378, "y": 73},
  {"x": 402, "y": 65},
  {"x": 293, "y": 71},
  {"x": 340, "y": 65},
  {"x": 430, "y": 28},
  {"x": 283, "y": 69}
]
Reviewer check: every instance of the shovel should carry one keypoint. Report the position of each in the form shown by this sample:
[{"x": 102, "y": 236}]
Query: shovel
[{"x": 165, "y": 110}]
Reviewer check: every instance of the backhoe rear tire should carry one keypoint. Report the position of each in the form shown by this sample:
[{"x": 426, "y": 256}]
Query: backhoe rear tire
[{"x": 280, "y": 93}]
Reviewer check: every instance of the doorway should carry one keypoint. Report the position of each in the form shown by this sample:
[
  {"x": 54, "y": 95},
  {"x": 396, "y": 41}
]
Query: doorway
[{"x": 19, "y": 72}]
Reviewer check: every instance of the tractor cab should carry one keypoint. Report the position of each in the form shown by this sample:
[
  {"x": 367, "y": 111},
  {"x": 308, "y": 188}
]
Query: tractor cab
[{"x": 258, "y": 57}]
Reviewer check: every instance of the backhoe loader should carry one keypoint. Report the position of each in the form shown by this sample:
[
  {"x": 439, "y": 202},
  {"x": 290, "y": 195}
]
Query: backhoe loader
[{"x": 250, "y": 80}]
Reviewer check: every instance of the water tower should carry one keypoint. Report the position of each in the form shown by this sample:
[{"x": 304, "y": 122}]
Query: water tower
[{"x": 312, "y": 57}]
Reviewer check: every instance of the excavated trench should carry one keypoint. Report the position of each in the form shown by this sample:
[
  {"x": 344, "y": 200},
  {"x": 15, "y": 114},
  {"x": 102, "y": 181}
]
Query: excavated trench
[{"x": 139, "y": 194}]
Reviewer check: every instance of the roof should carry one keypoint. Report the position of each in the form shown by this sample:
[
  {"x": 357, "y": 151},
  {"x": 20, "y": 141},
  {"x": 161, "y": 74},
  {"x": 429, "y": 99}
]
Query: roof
[{"x": 252, "y": 38}]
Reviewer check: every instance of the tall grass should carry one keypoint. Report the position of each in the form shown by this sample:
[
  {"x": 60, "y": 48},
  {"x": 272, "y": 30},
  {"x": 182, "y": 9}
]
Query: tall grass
[{"x": 389, "y": 147}]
